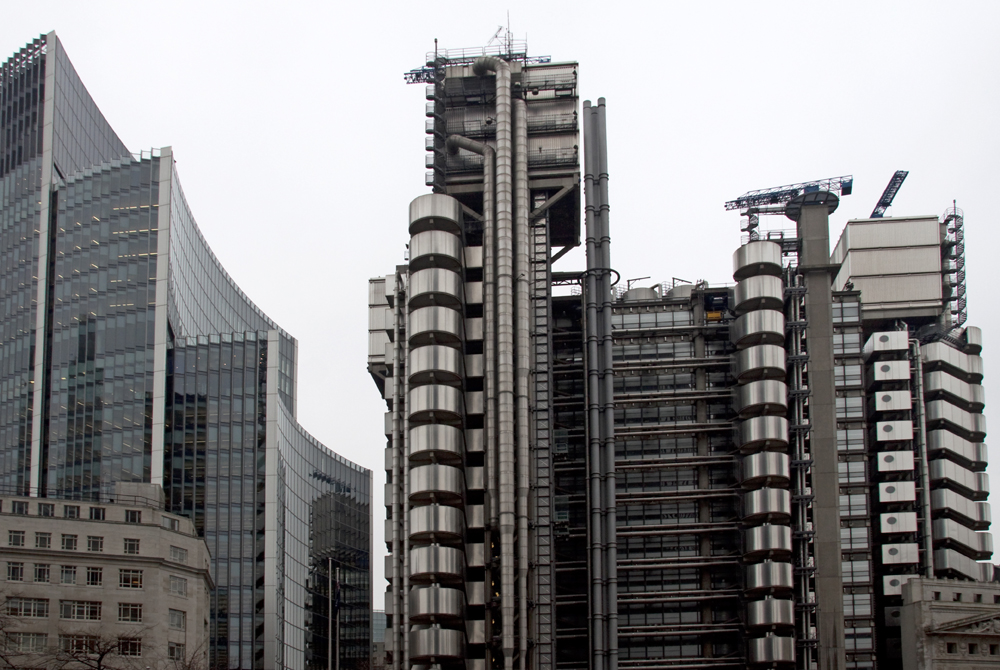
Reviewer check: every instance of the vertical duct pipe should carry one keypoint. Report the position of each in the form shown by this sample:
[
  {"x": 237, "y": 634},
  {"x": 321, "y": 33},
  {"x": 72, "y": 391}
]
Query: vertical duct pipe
[
  {"x": 505, "y": 345},
  {"x": 456, "y": 142},
  {"x": 608, "y": 396},
  {"x": 596, "y": 535},
  {"x": 925, "y": 465},
  {"x": 522, "y": 324},
  {"x": 405, "y": 455},
  {"x": 397, "y": 469}
]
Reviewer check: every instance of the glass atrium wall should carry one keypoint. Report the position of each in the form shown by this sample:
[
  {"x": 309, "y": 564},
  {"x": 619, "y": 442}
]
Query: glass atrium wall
[{"x": 103, "y": 295}]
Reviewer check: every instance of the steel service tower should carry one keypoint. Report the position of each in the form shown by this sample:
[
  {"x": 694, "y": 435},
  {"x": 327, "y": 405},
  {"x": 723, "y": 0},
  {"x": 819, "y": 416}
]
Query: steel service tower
[
  {"x": 467, "y": 370},
  {"x": 676, "y": 476}
]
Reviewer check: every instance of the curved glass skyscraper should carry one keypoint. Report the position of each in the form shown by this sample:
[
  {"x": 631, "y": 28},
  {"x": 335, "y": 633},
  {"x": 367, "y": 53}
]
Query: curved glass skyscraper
[{"x": 128, "y": 354}]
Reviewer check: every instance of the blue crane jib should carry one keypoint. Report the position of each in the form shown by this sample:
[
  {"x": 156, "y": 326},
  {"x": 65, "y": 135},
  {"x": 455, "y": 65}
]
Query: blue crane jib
[
  {"x": 888, "y": 194},
  {"x": 782, "y": 194}
]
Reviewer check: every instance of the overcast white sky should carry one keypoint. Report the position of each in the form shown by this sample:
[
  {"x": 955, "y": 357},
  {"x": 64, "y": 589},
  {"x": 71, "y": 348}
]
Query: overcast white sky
[{"x": 299, "y": 146}]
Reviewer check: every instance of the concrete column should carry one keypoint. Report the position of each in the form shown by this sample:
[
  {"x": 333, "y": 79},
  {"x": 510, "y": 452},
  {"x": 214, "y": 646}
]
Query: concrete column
[{"x": 814, "y": 264}]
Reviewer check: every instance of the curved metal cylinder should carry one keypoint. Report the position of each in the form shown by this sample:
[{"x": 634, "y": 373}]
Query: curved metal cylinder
[
  {"x": 767, "y": 505},
  {"x": 769, "y": 577},
  {"x": 761, "y": 326},
  {"x": 435, "y": 286},
  {"x": 436, "y": 644},
  {"x": 762, "y": 433},
  {"x": 769, "y": 612},
  {"x": 429, "y": 603},
  {"x": 435, "y": 249},
  {"x": 760, "y": 292},
  {"x": 767, "y": 540},
  {"x": 436, "y": 523},
  {"x": 761, "y": 257},
  {"x": 435, "y": 325},
  {"x": 771, "y": 650},
  {"x": 440, "y": 442},
  {"x": 766, "y": 396},
  {"x": 436, "y": 364},
  {"x": 436, "y": 403},
  {"x": 437, "y": 563},
  {"x": 435, "y": 211},
  {"x": 437, "y": 483},
  {"x": 764, "y": 361},
  {"x": 767, "y": 468}
]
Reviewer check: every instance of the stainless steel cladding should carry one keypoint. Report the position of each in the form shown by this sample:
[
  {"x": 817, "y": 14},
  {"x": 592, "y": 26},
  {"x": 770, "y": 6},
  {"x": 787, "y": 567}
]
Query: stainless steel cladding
[
  {"x": 757, "y": 258},
  {"x": 437, "y": 563},
  {"x": 429, "y": 325},
  {"x": 436, "y": 364},
  {"x": 940, "y": 356},
  {"x": 760, "y": 292},
  {"x": 950, "y": 561},
  {"x": 766, "y": 540},
  {"x": 429, "y": 604},
  {"x": 765, "y": 469},
  {"x": 436, "y": 523},
  {"x": 437, "y": 483},
  {"x": 969, "y": 397},
  {"x": 895, "y": 461},
  {"x": 767, "y": 396},
  {"x": 765, "y": 361},
  {"x": 974, "y": 485},
  {"x": 771, "y": 612},
  {"x": 970, "y": 513},
  {"x": 973, "y": 337},
  {"x": 770, "y": 576},
  {"x": 943, "y": 442},
  {"x": 974, "y": 544},
  {"x": 891, "y": 341},
  {"x": 435, "y": 248},
  {"x": 430, "y": 644},
  {"x": 763, "y": 326},
  {"x": 435, "y": 212},
  {"x": 436, "y": 286},
  {"x": 767, "y": 504},
  {"x": 438, "y": 442},
  {"x": 942, "y": 414},
  {"x": 436, "y": 403},
  {"x": 762, "y": 433},
  {"x": 771, "y": 650}
]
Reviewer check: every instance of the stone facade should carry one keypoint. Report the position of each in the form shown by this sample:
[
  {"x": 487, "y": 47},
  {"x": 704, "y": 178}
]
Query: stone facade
[
  {"x": 118, "y": 573},
  {"x": 950, "y": 625}
]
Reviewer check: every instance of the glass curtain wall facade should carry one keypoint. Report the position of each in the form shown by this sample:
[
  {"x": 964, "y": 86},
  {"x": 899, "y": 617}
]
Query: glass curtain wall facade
[{"x": 130, "y": 355}]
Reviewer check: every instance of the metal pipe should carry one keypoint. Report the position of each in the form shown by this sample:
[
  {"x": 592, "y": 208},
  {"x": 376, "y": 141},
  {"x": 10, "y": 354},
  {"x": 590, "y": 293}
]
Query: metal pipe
[
  {"x": 505, "y": 344},
  {"x": 405, "y": 453},
  {"x": 397, "y": 468},
  {"x": 522, "y": 271},
  {"x": 454, "y": 143},
  {"x": 596, "y": 532},
  {"x": 608, "y": 397},
  {"x": 925, "y": 478}
]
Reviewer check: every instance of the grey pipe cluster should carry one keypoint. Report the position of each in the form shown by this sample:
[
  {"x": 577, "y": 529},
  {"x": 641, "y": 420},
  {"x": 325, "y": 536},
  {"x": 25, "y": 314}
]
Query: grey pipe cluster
[
  {"x": 522, "y": 268},
  {"x": 505, "y": 344},
  {"x": 600, "y": 404}
]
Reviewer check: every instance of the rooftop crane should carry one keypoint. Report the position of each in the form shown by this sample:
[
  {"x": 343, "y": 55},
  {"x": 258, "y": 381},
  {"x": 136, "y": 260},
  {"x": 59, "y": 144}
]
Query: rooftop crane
[
  {"x": 889, "y": 193},
  {"x": 772, "y": 200}
]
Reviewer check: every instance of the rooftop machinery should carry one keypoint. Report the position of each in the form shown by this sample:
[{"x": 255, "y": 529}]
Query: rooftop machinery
[
  {"x": 891, "y": 189},
  {"x": 773, "y": 200}
]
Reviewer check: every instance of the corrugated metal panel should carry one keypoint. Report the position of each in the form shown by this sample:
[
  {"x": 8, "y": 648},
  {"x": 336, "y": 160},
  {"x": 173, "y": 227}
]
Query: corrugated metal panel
[
  {"x": 376, "y": 291},
  {"x": 879, "y": 262},
  {"x": 376, "y": 344},
  {"x": 918, "y": 231},
  {"x": 899, "y": 289}
]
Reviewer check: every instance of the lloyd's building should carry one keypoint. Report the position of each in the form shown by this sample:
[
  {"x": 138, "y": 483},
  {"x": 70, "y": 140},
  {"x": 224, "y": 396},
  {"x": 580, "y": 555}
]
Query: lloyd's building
[
  {"x": 680, "y": 476},
  {"x": 128, "y": 354}
]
